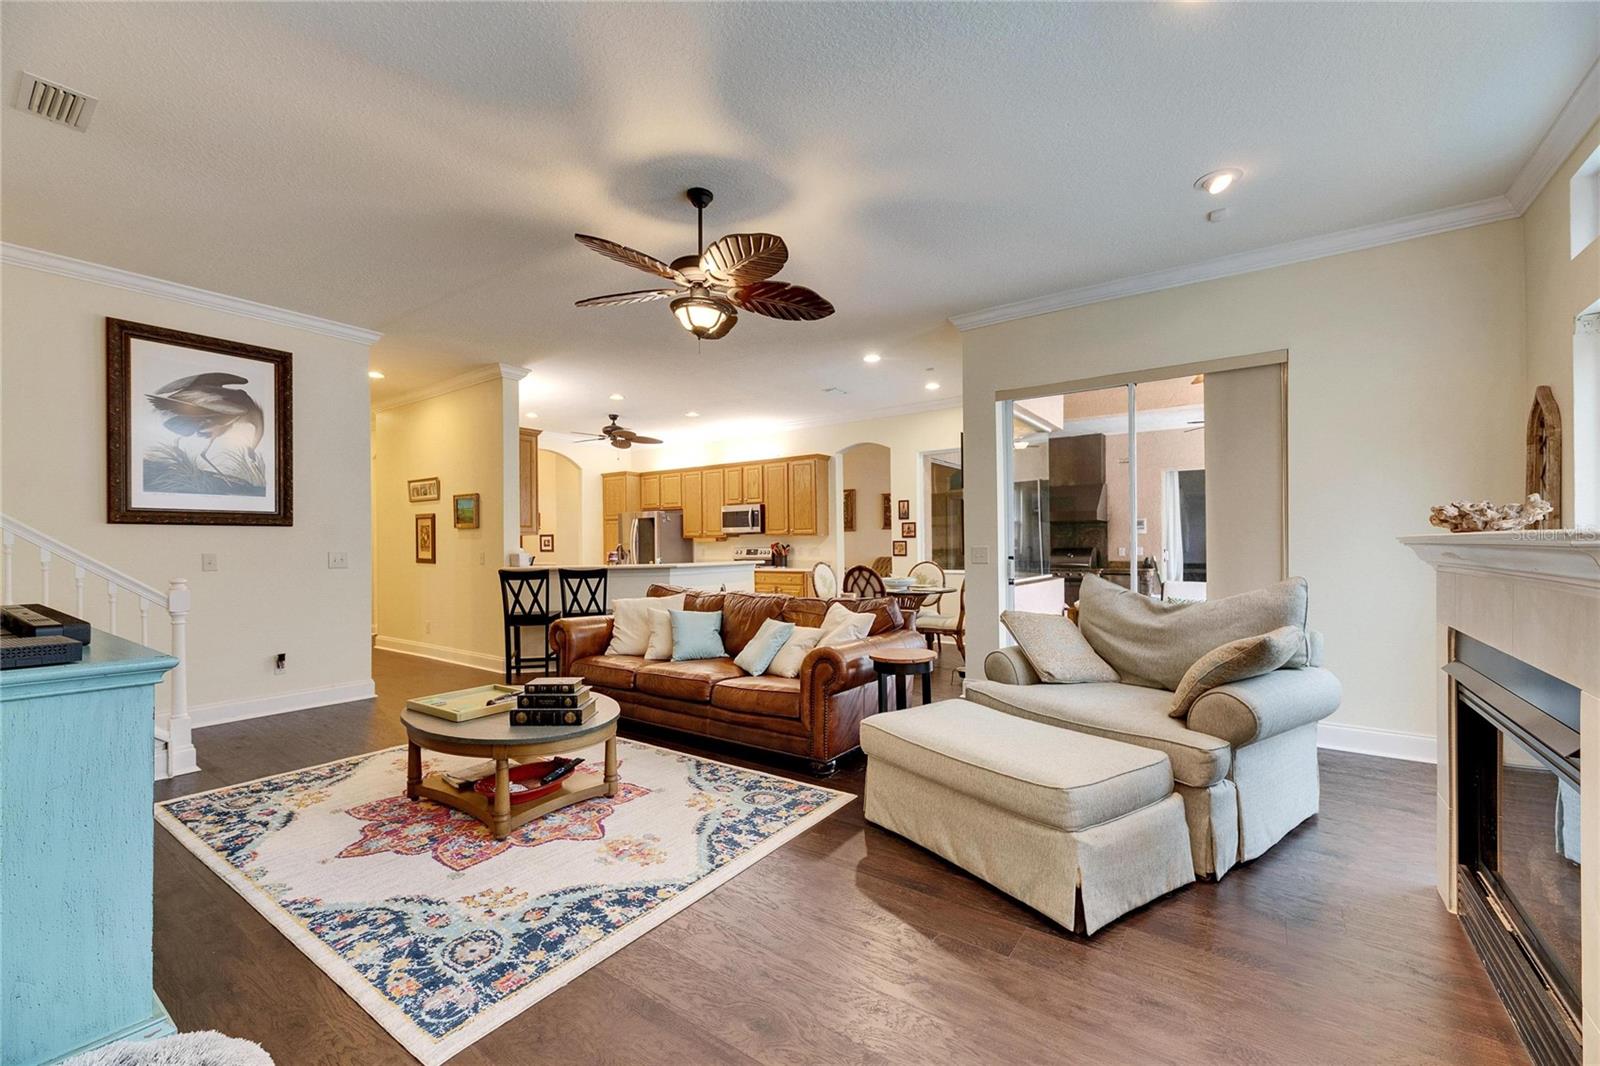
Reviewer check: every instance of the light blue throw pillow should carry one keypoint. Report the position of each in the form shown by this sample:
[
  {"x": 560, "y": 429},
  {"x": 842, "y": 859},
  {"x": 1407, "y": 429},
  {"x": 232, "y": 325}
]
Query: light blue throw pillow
[
  {"x": 697, "y": 635},
  {"x": 764, "y": 647}
]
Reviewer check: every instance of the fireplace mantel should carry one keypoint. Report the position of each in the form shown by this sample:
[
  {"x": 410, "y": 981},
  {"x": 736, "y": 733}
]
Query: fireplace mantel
[{"x": 1534, "y": 595}]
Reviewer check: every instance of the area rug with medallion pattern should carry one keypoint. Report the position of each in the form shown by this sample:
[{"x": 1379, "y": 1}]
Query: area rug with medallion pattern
[{"x": 441, "y": 932}]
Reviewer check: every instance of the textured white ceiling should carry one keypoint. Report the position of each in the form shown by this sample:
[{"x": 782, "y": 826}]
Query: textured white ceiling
[{"x": 420, "y": 168}]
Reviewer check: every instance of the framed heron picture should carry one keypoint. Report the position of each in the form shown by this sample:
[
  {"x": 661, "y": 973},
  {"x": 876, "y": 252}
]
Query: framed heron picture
[{"x": 198, "y": 429}]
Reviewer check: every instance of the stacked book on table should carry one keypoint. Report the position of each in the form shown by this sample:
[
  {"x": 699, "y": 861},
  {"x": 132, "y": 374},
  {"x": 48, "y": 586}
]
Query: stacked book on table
[{"x": 554, "y": 701}]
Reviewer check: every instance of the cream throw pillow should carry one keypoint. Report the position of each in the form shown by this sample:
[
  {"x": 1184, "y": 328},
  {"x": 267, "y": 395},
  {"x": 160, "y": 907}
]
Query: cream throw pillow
[
  {"x": 842, "y": 626},
  {"x": 660, "y": 647},
  {"x": 1235, "y": 661},
  {"x": 1055, "y": 649},
  {"x": 792, "y": 655},
  {"x": 630, "y": 629}
]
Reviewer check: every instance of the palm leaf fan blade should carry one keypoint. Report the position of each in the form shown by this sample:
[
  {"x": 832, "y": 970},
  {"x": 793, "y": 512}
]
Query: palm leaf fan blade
[
  {"x": 744, "y": 258},
  {"x": 778, "y": 299}
]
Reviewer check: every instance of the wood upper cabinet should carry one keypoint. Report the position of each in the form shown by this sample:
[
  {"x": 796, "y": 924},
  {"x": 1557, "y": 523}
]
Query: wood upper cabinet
[
  {"x": 611, "y": 536},
  {"x": 692, "y": 501},
  {"x": 751, "y": 484},
  {"x": 613, "y": 494},
  {"x": 807, "y": 490},
  {"x": 732, "y": 485},
  {"x": 672, "y": 490},
  {"x": 528, "y": 480},
  {"x": 775, "y": 477},
  {"x": 649, "y": 492},
  {"x": 713, "y": 483}
]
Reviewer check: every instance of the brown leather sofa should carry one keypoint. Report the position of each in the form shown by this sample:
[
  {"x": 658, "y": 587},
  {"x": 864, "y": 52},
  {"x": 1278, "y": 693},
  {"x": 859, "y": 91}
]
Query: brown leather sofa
[{"x": 816, "y": 716}]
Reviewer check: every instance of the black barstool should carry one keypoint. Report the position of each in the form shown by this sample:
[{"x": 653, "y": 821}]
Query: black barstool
[
  {"x": 525, "y": 599},
  {"x": 583, "y": 592}
]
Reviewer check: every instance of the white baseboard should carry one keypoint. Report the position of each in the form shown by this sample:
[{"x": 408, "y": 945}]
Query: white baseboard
[
  {"x": 495, "y": 664},
  {"x": 279, "y": 703},
  {"x": 1388, "y": 743}
]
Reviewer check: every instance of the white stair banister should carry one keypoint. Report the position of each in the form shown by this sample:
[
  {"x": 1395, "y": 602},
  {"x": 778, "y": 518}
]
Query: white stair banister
[{"x": 174, "y": 750}]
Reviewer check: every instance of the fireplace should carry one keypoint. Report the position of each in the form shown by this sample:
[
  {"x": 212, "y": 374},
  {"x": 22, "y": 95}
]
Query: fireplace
[{"x": 1518, "y": 839}]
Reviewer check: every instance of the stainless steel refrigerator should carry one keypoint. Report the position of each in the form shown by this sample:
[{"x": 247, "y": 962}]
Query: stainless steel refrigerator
[{"x": 655, "y": 537}]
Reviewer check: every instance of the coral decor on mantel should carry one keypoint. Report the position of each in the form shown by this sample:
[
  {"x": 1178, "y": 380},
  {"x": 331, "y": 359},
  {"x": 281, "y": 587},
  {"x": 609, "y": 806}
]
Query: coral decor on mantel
[{"x": 1463, "y": 516}]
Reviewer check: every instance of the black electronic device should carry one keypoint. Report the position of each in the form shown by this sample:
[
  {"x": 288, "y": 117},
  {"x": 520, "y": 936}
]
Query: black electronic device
[
  {"x": 19, "y": 652},
  {"x": 38, "y": 620}
]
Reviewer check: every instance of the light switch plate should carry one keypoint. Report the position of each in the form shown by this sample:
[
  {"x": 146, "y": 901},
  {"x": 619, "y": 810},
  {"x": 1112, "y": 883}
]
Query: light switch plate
[
  {"x": 338, "y": 560},
  {"x": 980, "y": 555},
  {"x": 208, "y": 563},
  {"x": 1143, "y": 525}
]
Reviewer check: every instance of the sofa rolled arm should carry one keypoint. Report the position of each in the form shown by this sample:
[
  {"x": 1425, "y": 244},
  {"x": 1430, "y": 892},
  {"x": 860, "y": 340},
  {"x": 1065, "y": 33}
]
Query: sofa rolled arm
[
  {"x": 1009, "y": 667},
  {"x": 578, "y": 638},
  {"x": 1260, "y": 707},
  {"x": 847, "y": 666}
]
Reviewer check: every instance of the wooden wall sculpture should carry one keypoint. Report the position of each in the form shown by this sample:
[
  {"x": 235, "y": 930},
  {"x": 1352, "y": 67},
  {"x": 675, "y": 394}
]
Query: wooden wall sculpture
[{"x": 1544, "y": 453}]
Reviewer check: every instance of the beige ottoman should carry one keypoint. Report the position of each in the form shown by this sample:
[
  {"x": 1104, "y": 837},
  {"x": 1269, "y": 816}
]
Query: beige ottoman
[{"x": 1070, "y": 824}]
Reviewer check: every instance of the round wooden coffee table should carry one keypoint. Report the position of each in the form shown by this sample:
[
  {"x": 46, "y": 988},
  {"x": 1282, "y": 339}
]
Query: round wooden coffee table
[
  {"x": 494, "y": 737},
  {"x": 901, "y": 663}
]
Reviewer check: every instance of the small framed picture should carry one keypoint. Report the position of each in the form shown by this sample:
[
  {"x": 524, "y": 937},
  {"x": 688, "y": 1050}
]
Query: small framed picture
[
  {"x": 466, "y": 510},
  {"x": 422, "y": 490},
  {"x": 908, "y": 530},
  {"x": 547, "y": 542},
  {"x": 427, "y": 539},
  {"x": 849, "y": 510},
  {"x": 900, "y": 548},
  {"x": 905, "y": 510},
  {"x": 888, "y": 512}
]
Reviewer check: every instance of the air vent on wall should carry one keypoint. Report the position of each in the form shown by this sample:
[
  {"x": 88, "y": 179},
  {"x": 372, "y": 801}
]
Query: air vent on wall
[{"x": 59, "y": 104}]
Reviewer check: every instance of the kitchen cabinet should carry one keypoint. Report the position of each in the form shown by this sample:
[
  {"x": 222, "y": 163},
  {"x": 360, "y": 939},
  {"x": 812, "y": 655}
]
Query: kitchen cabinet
[
  {"x": 528, "y": 480},
  {"x": 649, "y": 492},
  {"x": 732, "y": 486},
  {"x": 619, "y": 492},
  {"x": 782, "y": 580},
  {"x": 712, "y": 485},
  {"x": 806, "y": 495},
  {"x": 672, "y": 490},
  {"x": 750, "y": 484},
  {"x": 775, "y": 477},
  {"x": 693, "y": 502},
  {"x": 611, "y": 536}
]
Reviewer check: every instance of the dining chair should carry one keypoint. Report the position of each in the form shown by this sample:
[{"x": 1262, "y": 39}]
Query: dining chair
[
  {"x": 864, "y": 582},
  {"x": 883, "y": 566},
  {"x": 525, "y": 601},
  {"x": 583, "y": 592},
  {"x": 928, "y": 572},
  {"x": 935, "y": 626},
  {"x": 824, "y": 582}
]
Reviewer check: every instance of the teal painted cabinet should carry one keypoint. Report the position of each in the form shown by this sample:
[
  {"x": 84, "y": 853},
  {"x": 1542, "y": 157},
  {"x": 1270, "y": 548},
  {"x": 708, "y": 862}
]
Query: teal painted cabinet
[{"x": 76, "y": 852}]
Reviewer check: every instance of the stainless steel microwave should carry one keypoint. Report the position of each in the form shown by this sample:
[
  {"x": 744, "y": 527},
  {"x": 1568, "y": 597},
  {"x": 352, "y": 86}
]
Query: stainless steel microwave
[{"x": 744, "y": 518}]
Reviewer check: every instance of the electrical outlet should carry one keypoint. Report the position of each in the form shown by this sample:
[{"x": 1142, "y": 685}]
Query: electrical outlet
[
  {"x": 280, "y": 665},
  {"x": 483, "y": 558},
  {"x": 338, "y": 560},
  {"x": 208, "y": 563},
  {"x": 427, "y": 628},
  {"x": 1142, "y": 525},
  {"x": 980, "y": 555},
  {"x": 1122, "y": 552}
]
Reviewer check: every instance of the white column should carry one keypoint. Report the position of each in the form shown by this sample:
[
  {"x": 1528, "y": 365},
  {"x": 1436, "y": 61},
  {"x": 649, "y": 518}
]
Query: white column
[
  {"x": 1133, "y": 488},
  {"x": 180, "y": 744},
  {"x": 77, "y": 586}
]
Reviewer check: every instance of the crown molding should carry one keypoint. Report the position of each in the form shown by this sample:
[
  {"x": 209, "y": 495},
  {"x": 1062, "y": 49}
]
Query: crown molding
[
  {"x": 476, "y": 376},
  {"x": 1494, "y": 209},
  {"x": 67, "y": 267},
  {"x": 1580, "y": 112}
]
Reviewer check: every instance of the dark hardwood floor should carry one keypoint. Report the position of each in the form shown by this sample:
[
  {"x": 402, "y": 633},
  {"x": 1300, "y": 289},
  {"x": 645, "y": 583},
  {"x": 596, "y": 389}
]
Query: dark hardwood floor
[{"x": 851, "y": 945}]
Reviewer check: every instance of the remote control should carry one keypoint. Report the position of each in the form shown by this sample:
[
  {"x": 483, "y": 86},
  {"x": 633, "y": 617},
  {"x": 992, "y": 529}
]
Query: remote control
[{"x": 560, "y": 771}]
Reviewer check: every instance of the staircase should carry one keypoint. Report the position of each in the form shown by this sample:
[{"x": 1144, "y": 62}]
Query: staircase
[{"x": 47, "y": 583}]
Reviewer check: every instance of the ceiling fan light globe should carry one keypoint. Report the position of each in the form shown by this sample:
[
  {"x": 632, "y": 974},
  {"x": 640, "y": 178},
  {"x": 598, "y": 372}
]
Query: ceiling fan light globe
[{"x": 703, "y": 316}]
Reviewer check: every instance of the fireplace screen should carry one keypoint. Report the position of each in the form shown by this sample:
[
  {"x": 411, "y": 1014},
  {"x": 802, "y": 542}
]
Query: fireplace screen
[{"x": 1517, "y": 789}]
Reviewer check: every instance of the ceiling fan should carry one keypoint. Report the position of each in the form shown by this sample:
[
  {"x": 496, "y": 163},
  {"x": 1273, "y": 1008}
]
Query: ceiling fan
[
  {"x": 618, "y": 436},
  {"x": 712, "y": 286}
]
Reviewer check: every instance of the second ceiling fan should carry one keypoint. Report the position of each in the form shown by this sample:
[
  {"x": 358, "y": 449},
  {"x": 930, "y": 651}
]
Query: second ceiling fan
[{"x": 711, "y": 287}]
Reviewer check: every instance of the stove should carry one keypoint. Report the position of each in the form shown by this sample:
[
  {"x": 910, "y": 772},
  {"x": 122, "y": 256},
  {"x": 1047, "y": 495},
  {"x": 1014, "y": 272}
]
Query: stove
[{"x": 1072, "y": 564}]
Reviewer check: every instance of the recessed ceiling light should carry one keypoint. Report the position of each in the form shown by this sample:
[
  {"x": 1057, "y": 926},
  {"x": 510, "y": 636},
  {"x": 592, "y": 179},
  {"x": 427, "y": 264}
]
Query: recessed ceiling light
[
  {"x": 932, "y": 386},
  {"x": 1219, "y": 180},
  {"x": 871, "y": 357},
  {"x": 691, "y": 414},
  {"x": 615, "y": 396},
  {"x": 375, "y": 375}
]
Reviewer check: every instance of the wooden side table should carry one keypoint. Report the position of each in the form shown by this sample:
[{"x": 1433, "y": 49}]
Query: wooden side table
[{"x": 901, "y": 663}]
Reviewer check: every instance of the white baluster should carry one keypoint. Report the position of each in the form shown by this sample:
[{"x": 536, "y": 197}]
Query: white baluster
[
  {"x": 144, "y": 621},
  {"x": 111, "y": 607},
  {"x": 77, "y": 583},
  {"x": 8, "y": 545},
  {"x": 45, "y": 559},
  {"x": 180, "y": 744}
]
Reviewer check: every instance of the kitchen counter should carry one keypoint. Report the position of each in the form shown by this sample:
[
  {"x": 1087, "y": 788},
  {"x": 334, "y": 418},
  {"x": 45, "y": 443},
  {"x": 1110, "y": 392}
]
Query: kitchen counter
[
  {"x": 630, "y": 580},
  {"x": 715, "y": 565}
]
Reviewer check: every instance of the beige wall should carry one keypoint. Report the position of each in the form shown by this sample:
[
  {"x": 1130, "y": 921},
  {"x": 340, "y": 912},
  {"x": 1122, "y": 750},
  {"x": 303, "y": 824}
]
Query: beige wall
[
  {"x": 1403, "y": 362},
  {"x": 467, "y": 438},
  {"x": 866, "y": 469},
  {"x": 906, "y": 437},
  {"x": 560, "y": 511},
  {"x": 1159, "y": 451},
  {"x": 1559, "y": 287},
  {"x": 273, "y": 591}
]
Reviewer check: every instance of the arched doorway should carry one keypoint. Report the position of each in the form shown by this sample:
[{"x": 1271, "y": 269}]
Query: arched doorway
[{"x": 862, "y": 474}]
